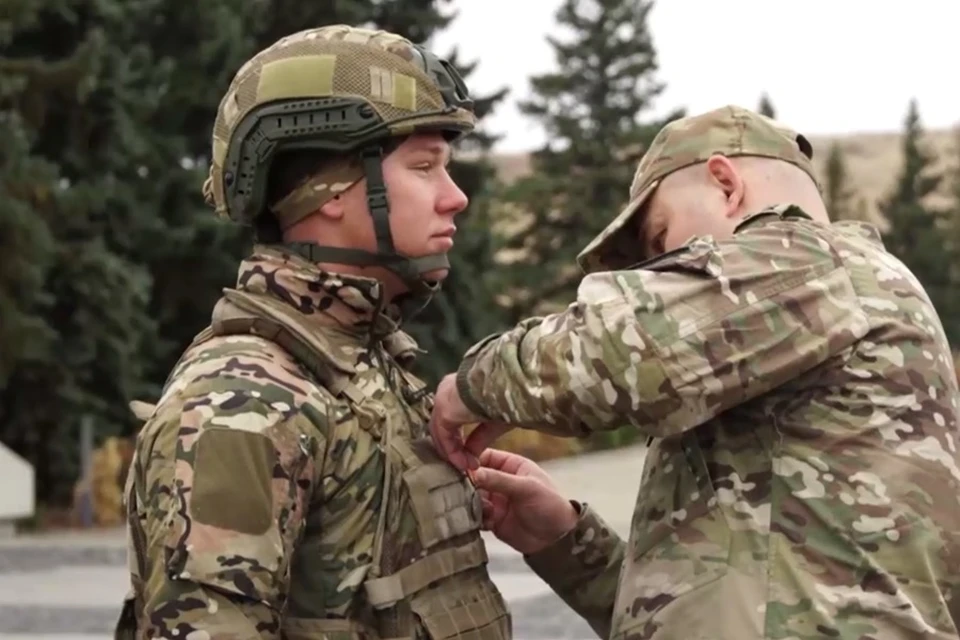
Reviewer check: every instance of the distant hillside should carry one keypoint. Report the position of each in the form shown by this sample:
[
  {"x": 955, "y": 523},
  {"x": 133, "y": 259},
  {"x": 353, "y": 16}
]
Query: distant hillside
[{"x": 873, "y": 159}]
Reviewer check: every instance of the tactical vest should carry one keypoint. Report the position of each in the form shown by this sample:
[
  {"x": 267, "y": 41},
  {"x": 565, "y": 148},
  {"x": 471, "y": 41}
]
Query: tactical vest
[{"x": 446, "y": 592}]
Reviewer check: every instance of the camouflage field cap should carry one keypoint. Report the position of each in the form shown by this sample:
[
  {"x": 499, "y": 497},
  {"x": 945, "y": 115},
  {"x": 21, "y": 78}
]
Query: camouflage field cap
[{"x": 730, "y": 131}]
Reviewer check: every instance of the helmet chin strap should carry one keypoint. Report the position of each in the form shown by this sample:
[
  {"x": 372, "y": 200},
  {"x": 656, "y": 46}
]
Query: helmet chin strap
[{"x": 411, "y": 271}]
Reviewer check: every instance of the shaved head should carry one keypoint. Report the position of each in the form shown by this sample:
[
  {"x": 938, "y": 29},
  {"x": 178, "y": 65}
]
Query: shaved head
[{"x": 710, "y": 198}]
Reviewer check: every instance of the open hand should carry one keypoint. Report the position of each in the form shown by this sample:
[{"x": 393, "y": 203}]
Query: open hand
[{"x": 521, "y": 506}]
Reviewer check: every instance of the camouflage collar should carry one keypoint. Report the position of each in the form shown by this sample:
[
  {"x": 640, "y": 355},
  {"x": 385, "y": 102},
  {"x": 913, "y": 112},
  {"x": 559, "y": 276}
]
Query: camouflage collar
[
  {"x": 351, "y": 302},
  {"x": 866, "y": 230}
]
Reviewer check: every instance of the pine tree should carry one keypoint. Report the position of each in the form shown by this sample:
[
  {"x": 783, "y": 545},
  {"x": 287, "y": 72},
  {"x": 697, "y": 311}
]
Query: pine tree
[
  {"x": 915, "y": 231},
  {"x": 27, "y": 184},
  {"x": 766, "y": 107},
  {"x": 592, "y": 110},
  {"x": 839, "y": 195},
  {"x": 69, "y": 100},
  {"x": 951, "y": 316},
  {"x": 955, "y": 195}
]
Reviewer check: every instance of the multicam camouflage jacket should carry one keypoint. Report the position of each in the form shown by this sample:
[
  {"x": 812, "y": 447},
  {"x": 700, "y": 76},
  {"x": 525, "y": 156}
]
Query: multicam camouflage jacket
[
  {"x": 802, "y": 479},
  {"x": 284, "y": 486}
]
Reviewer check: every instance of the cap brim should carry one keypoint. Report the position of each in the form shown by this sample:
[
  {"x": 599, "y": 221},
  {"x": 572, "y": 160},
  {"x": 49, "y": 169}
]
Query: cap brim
[{"x": 596, "y": 255}]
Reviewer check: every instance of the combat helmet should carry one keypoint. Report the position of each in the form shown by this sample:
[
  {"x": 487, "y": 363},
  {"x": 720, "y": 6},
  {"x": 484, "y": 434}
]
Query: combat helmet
[{"x": 340, "y": 91}]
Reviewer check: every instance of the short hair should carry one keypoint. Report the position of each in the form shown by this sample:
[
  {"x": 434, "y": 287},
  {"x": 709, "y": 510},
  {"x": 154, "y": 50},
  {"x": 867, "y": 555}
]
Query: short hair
[
  {"x": 290, "y": 169},
  {"x": 287, "y": 172}
]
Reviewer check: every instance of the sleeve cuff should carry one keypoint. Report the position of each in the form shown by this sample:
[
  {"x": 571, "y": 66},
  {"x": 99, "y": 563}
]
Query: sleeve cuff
[
  {"x": 579, "y": 555},
  {"x": 466, "y": 394}
]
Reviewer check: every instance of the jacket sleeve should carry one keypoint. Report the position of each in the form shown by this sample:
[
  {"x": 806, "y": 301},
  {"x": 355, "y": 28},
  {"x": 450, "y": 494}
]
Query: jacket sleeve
[
  {"x": 667, "y": 346},
  {"x": 225, "y": 504},
  {"x": 583, "y": 568}
]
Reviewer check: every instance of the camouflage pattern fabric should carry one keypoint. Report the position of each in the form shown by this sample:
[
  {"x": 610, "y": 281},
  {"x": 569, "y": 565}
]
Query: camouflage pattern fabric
[
  {"x": 284, "y": 485},
  {"x": 802, "y": 479},
  {"x": 316, "y": 191},
  {"x": 731, "y": 131}
]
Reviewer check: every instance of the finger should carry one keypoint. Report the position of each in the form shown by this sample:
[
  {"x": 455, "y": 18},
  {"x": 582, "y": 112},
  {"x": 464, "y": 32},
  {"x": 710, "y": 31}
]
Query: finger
[
  {"x": 501, "y": 460},
  {"x": 498, "y": 482},
  {"x": 488, "y": 523},
  {"x": 446, "y": 430},
  {"x": 488, "y": 507},
  {"x": 500, "y": 501},
  {"x": 486, "y": 519},
  {"x": 492, "y": 513},
  {"x": 448, "y": 441},
  {"x": 484, "y": 436}
]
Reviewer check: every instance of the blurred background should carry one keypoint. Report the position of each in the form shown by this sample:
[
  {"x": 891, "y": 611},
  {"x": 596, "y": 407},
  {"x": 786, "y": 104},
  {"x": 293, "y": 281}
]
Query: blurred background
[{"x": 110, "y": 262}]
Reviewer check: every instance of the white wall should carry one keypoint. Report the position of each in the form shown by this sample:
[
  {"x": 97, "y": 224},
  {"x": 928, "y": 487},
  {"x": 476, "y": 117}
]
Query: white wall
[{"x": 16, "y": 486}]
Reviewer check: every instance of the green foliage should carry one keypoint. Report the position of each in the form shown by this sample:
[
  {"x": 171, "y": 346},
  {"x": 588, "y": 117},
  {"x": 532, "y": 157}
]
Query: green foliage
[
  {"x": 951, "y": 316},
  {"x": 70, "y": 167},
  {"x": 915, "y": 231},
  {"x": 954, "y": 177},
  {"x": 27, "y": 186},
  {"x": 592, "y": 109},
  {"x": 839, "y": 195},
  {"x": 622, "y": 437}
]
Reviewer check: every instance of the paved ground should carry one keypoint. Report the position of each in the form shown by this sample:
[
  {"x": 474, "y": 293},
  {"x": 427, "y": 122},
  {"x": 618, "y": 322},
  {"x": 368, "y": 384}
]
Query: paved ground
[{"x": 68, "y": 587}]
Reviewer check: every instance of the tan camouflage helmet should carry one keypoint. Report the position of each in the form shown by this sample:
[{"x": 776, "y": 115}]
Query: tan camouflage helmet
[
  {"x": 731, "y": 131},
  {"x": 339, "y": 90}
]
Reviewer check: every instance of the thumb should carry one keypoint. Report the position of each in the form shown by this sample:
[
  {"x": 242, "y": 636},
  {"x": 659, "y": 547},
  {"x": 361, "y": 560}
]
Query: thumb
[
  {"x": 483, "y": 436},
  {"x": 499, "y": 482}
]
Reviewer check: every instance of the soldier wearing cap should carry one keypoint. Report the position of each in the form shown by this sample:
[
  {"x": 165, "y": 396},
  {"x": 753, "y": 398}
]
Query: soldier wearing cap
[
  {"x": 802, "y": 478},
  {"x": 284, "y": 485}
]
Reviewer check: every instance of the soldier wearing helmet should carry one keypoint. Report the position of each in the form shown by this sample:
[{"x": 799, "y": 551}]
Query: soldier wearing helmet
[{"x": 284, "y": 484}]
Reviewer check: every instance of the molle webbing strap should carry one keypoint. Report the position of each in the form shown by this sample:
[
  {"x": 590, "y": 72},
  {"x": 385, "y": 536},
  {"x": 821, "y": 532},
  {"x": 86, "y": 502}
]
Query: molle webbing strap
[
  {"x": 431, "y": 262},
  {"x": 387, "y": 591},
  {"x": 436, "y": 489},
  {"x": 435, "y": 494},
  {"x": 310, "y": 628}
]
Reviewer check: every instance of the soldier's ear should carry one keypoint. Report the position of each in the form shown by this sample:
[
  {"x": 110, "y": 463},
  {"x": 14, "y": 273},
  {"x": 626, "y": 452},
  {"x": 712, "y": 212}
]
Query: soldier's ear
[
  {"x": 723, "y": 173},
  {"x": 333, "y": 209}
]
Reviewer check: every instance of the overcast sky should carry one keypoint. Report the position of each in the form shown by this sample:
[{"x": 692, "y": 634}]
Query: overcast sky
[{"x": 829, "y": 66}]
